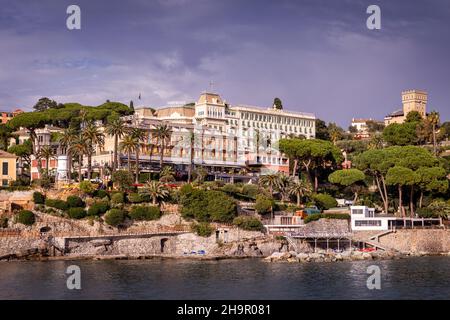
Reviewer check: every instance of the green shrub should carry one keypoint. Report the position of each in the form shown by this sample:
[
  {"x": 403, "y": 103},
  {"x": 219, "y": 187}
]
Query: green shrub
[
  {"x": 56, "y": 203},
  {"x": 3, "y": 222},
  {"x": 101, "y": 194},
  {"x": 221, "y": 208},
  {"x": 117, "y": 198},
  {"x": 206, "y": 206},
  {"x": 248, "y": 223},
  {"x": 135, "y": 198},
  {"x": 317, "y": 216},
  {"x": 123, "y": 178},
  {"x": 38, "y": 198},
  {"x": 76, "y": 213},
  {"x": 98, "y": 208},
  {"x": 425, "y": 212},
  {"x": 26, "y": 217},
  {"x": 194, "y": 203},
  {"x": 263, "y": 204},
  {"x": 250, "y": 190},
  {"x": 324, "y": 201},
  {"x": 87, "y": 187},
  {"x": 231, "y": 188},
  {"x": 145, "y": 213},
  {"x": 115, "y": 217},
  {"x": 203, "y": 229},
  {"x": 75, "y": 202},
  {"x": 440, "y": 208},
  {"x": 312, "y": 217}
]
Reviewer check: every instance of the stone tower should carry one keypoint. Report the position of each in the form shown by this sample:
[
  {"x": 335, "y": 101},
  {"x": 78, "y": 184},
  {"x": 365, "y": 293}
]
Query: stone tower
[{"x": 414, "y": 100}]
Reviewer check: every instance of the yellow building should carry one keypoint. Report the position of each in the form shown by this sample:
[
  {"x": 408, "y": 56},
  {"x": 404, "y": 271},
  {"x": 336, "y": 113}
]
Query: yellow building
[
  {"x": 8, "y": 169},
  {"x": 412, "y": 100}
]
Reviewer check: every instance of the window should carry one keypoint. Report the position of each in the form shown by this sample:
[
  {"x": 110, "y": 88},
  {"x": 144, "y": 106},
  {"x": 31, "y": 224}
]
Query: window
[
  {"x": 368, "y": 223},
  {"x": 357, "y": 211},
  {"x": 5, "y": 182},
  {"x": 5, "y": 168}
]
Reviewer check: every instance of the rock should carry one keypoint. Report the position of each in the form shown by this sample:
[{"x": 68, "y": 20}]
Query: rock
[
  {"x": 276, "y": 256},
  {"x": 293, "y": 253},
  {"x": 367, "y": 256},
  {"x": 338, "y": 257},
  {"x": 292, "y": 260},
  {"x": 302, "y": 255},
  {"x": 315, "y": 255},
  {"x": 286, "y": 255}
]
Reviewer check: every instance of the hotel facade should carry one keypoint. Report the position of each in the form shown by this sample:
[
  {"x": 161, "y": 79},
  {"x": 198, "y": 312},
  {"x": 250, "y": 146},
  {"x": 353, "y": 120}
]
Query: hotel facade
[{"x": 215, "y": 135}]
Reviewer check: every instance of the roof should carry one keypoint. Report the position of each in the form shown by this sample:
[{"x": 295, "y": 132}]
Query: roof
[
  {"x": 210, "y": 98},
  {"x": 397, "y": 113},
  {"x": 4, "y": 154},
  {"x": 272, "y": 111}
]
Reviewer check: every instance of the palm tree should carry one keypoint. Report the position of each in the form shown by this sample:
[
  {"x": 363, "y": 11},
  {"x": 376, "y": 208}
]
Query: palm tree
[
  {"x": 335, "y": 132},
  {"x": 434, "y": 119},
  {"x": 299, "y": 188},
  {"x": 284, "y": 185},
  {"x": 93, "y": 137},
  {"x": 66, "y": 138},
  {"x": 117, "y": 129},
  {"x": 162, "y": 133},
  {"x": 129, "y": 145},
  {"x": 271, "y": 181},
  {"x": 156, "y": 190},
  {"x": 79, "y": 147},
  {"x": 139, "y": 135},
  {"x": 47, "y": 153},
  {"x": 167, "y": 174}
]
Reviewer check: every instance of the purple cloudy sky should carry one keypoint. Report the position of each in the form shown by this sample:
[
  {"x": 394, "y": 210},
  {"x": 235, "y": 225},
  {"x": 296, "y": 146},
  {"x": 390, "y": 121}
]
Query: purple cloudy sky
[{"x": 317, "y": 56}]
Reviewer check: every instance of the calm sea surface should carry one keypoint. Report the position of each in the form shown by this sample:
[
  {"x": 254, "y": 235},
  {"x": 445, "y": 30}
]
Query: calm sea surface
[{"x": 414, "y": 278}]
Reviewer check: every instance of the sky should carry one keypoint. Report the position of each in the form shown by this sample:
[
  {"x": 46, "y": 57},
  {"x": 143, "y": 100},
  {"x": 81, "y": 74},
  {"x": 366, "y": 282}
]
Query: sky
[{"x": 317, "y": 56}]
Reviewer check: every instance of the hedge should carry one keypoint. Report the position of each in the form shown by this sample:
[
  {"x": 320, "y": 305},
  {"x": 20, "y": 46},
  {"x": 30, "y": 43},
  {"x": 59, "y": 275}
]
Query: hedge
[
  {"x": 248, "y": 223},
  {"x": 101, "y": 194},
  {"x": 76, "y": 213},
  {"x": 98, "y": 208},
  {"x": 263, "y": 204},
  {"x": 145, "y": 213},
  {"x": 115, "y": 217},
  {"x": 117, "y": 198},
  {"x": 26, "y": 217},
  {"x": 75, "y": 202},
  {"x": 38, "y": 198},
  {"x": 317, "y": 216},
  {"x": 324, "y": 201},
  {"x": 56, "y": 203},
  {"x": 135, "y": 198}
]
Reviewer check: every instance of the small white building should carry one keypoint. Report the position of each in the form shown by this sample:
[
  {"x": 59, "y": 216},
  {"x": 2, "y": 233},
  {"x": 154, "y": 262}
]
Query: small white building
[{"x": 363, "y": 218}]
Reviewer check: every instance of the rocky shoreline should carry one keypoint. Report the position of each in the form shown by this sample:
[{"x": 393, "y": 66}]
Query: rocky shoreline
[{"x": 323, "y": 256}]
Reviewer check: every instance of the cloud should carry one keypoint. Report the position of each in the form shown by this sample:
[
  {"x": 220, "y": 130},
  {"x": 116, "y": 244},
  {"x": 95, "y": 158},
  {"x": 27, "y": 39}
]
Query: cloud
[{"x": 315, "y": 55}]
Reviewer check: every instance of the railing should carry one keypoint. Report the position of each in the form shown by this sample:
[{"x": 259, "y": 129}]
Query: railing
[{"x": 303, "y": 234}]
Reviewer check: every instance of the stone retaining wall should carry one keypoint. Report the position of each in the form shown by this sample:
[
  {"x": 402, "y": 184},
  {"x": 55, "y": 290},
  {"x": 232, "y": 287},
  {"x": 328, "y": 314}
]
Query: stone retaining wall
[{"x": 418, "y": 240}]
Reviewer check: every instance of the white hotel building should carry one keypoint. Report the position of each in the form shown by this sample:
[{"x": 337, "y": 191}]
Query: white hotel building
[{"x": 226, "y": 137}]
